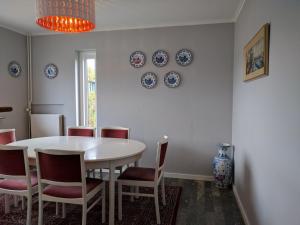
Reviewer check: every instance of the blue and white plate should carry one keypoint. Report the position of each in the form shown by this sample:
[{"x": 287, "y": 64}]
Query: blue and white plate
[
  {"x": 14, "y": 69},
  {"x": 172, "y": 79},
  {"x": 51, "y": 71},
  {"x": 160, "y": 58},
  {"x": 149, "y": 80},
  {"x": 137, "y": 59},
  {"x": 184, "y": 57}
]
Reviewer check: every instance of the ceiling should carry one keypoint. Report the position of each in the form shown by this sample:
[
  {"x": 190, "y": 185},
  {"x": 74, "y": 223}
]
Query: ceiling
[{"x": 19, "y": 15}]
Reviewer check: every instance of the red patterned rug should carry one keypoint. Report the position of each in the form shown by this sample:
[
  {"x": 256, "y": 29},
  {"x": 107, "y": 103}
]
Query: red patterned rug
[{"x": 139, "y": 212}]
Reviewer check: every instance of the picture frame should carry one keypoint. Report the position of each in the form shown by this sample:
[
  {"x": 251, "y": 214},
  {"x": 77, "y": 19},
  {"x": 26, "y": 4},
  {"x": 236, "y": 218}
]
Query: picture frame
[{"x": 256, "y": 54}]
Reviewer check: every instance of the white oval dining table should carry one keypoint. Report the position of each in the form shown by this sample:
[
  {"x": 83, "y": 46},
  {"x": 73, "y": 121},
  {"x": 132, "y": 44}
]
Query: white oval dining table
[{"x": 99, "y": 153}]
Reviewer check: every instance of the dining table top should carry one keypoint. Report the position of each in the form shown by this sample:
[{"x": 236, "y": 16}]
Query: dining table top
[{"x": 96, "y": 149}]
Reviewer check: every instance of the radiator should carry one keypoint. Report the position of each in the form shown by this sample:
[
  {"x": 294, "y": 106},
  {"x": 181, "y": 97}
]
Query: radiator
[{"x": 45, "y": 125}]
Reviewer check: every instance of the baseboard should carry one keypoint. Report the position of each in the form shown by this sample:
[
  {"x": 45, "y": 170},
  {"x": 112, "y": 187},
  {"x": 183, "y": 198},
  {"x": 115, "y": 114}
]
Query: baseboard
[
  {"x": 189, "y": 176},
  {"x": 241, "y": 207}
]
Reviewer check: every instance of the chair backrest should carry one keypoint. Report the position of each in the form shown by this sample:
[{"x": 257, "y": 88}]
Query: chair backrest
[
  {"x": 59, "y": 165},
  {"x": 162, "y": 146},
  {"x": 7, "y": 136},
  {"x": 14, "y": 163},
  {"x": 82, "y": 131},
  {"x": 115, "y": 132}
]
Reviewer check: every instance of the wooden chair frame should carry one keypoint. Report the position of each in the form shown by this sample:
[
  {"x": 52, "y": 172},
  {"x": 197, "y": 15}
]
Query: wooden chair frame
[
  {"x": 158, "y": 178},
  {"x": 23, "y": 193},
  {"x": 86, "y": 197}
]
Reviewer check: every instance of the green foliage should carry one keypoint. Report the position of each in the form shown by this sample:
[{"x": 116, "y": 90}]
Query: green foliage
[{"x": 91, "y": 97}]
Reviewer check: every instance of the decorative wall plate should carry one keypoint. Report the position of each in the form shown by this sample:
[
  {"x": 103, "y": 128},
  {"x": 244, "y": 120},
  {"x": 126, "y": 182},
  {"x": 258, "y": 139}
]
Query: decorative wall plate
[
  {"x": 51, "y": 71},
  {"x": 172, "y": 79},
  {"x": 160, "y": 58},
  {"x": 184, "y": 57},
  {"x": 149, "y": 80},
  {"x": 14, "y": 69},
  {"x": 137, "y": 59}
]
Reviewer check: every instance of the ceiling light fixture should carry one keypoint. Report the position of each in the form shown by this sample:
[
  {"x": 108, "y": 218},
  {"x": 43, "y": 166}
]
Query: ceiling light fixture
[{"x": 71, "y": 16}]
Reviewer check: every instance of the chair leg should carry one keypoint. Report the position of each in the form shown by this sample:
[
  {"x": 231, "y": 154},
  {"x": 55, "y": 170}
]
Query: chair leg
[
  {"x": 84, "y": 212},
  {"x": 29, "y": 210},
  {"x": 137, "y": 190},
  {"x": 163, "y": 190},
  {"x": 103, "y": 204},
  {"x": 132, "y": 190},
  {"x": 120, "y": 201},
  {"x": 64, "y": 210},
  {"x": 6, "y": 203},
  {"x": 40, "y": 220},
  {"x": 23, "y": 203},
  {"x": 16, "y": 201},
  {"x": 156, "y": 204},
  {"x": 101, "y": 174},
  {"x": 56, "y": 208}
]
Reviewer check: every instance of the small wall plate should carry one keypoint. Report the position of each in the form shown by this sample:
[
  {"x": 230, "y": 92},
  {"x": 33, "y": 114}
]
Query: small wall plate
[
  {"x": 184, "y": 57},
  {"x": 172, "y": 79},
  {"x": 14, "y": 69},
  {"x": 149, "y": 80},
  {"x": 160, "y": 58},
  {"x": 137, "y": 59},
  {"x": 51, "y": 71}
]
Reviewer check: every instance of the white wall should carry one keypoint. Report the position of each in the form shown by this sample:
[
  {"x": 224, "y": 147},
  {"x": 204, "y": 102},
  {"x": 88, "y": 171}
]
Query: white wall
[
  {"x": 13, "y": 91},
  {"x": 196, "y": 116},
  {"x": 266, "y": 124}
]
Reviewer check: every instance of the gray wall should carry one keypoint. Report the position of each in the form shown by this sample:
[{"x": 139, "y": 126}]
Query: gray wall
[
  {"x": 196, "y": 116},
  {"x": 266, "y": 124},
  {"x": 13, "y": 91}
]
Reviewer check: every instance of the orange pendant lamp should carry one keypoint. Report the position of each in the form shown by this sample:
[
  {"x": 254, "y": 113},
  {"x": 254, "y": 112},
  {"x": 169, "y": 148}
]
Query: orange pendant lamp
[{"x": 70, "y": 16}]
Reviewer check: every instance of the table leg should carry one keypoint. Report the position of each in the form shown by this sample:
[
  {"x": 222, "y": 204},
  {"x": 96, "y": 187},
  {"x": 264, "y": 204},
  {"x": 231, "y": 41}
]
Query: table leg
[
  {"x": 111, "y": 195},
  {"x": 137, "y": 190}
]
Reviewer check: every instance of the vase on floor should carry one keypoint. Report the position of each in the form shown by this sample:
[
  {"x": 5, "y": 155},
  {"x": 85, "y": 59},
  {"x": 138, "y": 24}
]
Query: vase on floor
[{"x": 222, "y": 167}]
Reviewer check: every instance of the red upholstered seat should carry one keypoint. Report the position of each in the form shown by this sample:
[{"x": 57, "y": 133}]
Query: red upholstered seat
[
  {"x": 71, "y": 192},
  {"x": 14, "y": 184},
  {"x": 138, "y": 173}
]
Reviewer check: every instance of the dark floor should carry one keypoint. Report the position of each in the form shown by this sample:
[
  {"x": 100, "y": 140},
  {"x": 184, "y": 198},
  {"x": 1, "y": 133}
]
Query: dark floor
[{"x": 203, "y": 204}]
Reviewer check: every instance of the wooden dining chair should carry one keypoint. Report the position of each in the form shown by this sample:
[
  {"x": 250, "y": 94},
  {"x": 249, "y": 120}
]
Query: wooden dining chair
[
  {"x": 61, "y": 178},
  {"x": 115, "y": 132},
  {"x": 82, "y": 131},
  {"x": 17, "y": 180},
  {"x": 145, "y": 177},
  {"x": 7, "y": 136}
]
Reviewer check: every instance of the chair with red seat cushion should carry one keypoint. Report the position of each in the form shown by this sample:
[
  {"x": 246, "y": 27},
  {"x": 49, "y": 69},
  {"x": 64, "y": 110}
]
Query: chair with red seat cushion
[
  {"x": 145, "y": 177},
  {"x": 115, "y": 132},
  {"x": 7, "y": 136},
  {"x": 17, "y": 178},
  {"x": 82, "y": 131},
  {"x": 61, "y": 178}
]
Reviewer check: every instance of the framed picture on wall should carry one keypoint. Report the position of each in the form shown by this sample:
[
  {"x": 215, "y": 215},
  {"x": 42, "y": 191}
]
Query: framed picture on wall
[{"x": 256, "y": 55}]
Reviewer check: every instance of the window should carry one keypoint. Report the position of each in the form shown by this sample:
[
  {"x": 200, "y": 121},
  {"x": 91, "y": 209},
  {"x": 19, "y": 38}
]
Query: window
[{"x": 86, "y": 89}]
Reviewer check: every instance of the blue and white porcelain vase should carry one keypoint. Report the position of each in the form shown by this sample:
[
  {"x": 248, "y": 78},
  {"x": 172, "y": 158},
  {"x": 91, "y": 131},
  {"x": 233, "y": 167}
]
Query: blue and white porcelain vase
[{"x": 222, "y": 167}]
